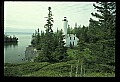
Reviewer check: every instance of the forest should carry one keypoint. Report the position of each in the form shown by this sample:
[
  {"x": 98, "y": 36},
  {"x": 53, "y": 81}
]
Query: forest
[{"x": 95, "y": 52}]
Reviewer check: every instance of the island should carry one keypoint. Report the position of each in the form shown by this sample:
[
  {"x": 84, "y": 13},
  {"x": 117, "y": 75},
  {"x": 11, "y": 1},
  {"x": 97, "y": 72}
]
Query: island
[{"x": 10, "y": 39}]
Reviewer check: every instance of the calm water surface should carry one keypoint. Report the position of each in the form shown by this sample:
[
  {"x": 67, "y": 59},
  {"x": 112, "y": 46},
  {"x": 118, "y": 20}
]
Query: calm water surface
[{"x": 14, "y": 53}]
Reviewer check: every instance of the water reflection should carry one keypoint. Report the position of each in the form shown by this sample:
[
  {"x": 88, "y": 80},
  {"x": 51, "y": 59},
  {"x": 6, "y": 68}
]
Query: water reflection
[
  {"x": 14, "y": 52},
  {"x": 9, "y": 45}
]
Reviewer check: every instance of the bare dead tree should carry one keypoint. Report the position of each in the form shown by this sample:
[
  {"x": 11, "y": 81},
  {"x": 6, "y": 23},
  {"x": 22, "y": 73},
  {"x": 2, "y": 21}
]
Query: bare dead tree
[{"x": 70, "y": 72}]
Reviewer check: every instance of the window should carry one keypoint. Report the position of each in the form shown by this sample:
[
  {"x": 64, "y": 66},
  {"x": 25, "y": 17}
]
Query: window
[
  {"x": 74, "y": 38},
  {"x": 70, "y": 38},
  {"x": 73, "y": 43}
]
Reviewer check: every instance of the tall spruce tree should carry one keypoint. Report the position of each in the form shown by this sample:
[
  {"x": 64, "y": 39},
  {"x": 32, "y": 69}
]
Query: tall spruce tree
[
  {"x": 60, "y": 51},
  {"x": 99, "y": 37},
  {"x": 106, "y": 16},
  {"x": 48, "y": 46},
  {"x": 102, "y": 32}
]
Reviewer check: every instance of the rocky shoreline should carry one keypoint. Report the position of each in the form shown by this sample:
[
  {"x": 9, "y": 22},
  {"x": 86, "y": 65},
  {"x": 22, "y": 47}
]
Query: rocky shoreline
[{"x": 30, "y": 53}]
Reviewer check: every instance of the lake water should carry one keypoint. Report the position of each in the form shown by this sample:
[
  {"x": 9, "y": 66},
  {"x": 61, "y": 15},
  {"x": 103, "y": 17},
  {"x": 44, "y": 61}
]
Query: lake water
[{"x": 14, "y": 53}]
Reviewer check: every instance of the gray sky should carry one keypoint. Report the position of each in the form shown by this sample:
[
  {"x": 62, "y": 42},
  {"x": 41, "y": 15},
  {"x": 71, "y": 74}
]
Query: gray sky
[{"x": 28, "y": 16}]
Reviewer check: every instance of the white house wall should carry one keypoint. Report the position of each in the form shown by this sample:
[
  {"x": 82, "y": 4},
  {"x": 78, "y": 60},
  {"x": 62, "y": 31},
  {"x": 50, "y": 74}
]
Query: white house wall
[{"x": 73, "y": 42}]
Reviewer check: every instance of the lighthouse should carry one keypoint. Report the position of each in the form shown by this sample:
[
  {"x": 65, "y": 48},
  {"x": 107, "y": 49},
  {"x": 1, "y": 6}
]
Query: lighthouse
[
  {"x": 65, "y": 22},
  {"x": 70, "y": 39}
]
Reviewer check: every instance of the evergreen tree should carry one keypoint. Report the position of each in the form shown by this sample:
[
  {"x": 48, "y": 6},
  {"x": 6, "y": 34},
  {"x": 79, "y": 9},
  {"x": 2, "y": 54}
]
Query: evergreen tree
[
  {"x": 36, "y": 39},
  {"x": 83, "y": 38},
  {"x": 68, "y": 30},
  {"x": 71, "y": 30},
  {"x": 102, "y": 32},
  {"x": 60, "y": 51},
  {"x": 106, "y": 18},
  {"x": 47, "y": 40},
  {"x": 78, "y": 31},
  {"x": 48, "y": 46},
  {"x": 99, "y": 37},
  {"x": 75, "y": 29}
]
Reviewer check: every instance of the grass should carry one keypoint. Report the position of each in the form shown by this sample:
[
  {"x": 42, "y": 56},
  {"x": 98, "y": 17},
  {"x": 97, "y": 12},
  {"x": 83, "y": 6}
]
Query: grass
[
  {"x": 94, "y": 74},
  {"x": 45, "y": 69},
  {"x": 21, "y": 69}
]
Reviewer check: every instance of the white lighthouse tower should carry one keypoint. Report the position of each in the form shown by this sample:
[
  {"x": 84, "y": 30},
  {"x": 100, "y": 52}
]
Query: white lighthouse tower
[
  {"x": 69, "y": 38},
  {"x": 65, "y": 22}
]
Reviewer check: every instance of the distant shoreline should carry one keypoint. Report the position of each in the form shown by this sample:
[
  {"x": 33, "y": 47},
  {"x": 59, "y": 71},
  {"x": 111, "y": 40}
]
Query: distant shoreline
[{"x": 18, "y": 32}]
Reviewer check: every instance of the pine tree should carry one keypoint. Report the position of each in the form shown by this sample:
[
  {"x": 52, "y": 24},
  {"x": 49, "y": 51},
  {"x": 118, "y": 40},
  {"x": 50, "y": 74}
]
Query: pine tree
[
  {"x": 78, "y": 31},
  {"x": 47, "y": 40},
  {"x": 68, "y": 30},
  {"x": 99, "y": 37},
  {"x": 75, "y": 29},
  {"x": 106, "y": 18},
  {"x": 102, "y": 32},
  {"x": 48, "y": 46},
  {"x": 36, "y": 39},
  {"x": 83, "y": 38},
  {"x": 60, "y": 51}
]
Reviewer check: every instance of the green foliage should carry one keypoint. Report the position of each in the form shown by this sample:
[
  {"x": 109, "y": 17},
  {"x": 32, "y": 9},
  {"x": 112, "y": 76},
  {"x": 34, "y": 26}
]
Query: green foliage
[
  {"x": 45, "y": 69},
  {"x": 68, "y": 30},
  {"x": 96, "y": 74},
  {"x": 24, "y": 68},
  {"x": 106, "y": 18},
  {"x": 99, "y": 38},
  {"x": 51, "y": 45},
  {"x": 60, "y": 52},
  {"x": 41, "y": 57}
]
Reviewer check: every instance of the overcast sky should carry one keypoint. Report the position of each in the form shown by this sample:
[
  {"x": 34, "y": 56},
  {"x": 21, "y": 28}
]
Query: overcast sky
[{"x": 28, "y": 16}]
